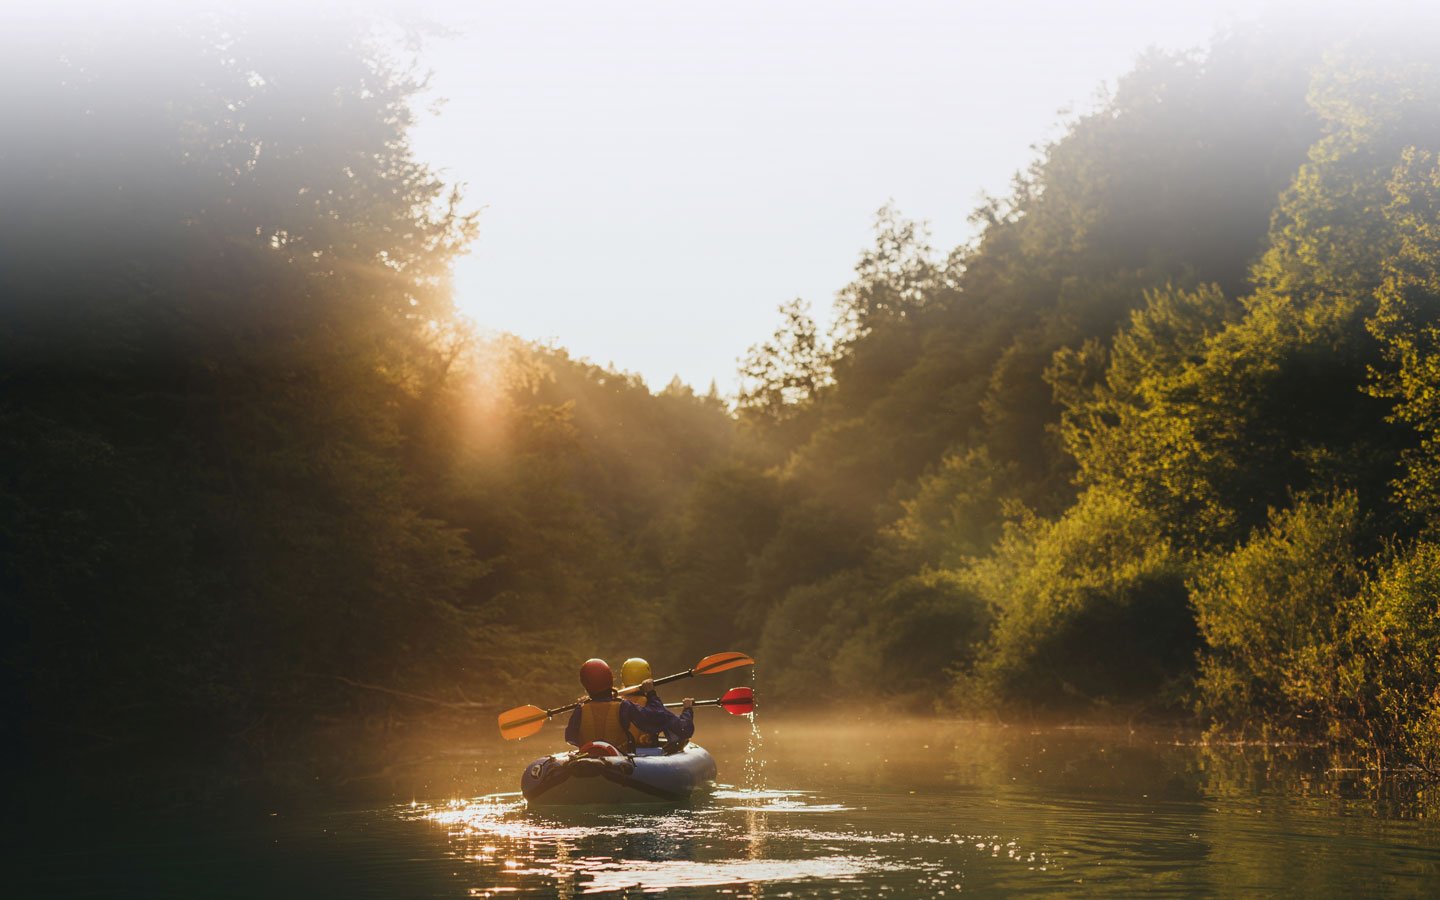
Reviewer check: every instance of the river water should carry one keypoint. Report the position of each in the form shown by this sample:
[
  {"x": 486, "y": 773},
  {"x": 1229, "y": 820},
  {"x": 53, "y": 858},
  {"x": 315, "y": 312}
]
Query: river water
[{"x": 808, "y": 807}]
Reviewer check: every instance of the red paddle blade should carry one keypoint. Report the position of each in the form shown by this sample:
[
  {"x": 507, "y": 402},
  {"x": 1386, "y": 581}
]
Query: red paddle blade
[
  {"x": 721, "y": 662},
  {"x": 522, "y": 721},
  {"x": 738, "y": 701}
]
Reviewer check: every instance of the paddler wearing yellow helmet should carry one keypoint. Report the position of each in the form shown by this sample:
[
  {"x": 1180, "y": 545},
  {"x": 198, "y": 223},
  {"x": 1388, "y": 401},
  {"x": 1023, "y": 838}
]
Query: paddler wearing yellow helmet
[
  {"x": 603, "y": 716},
  {"x": 676, "y": 730}
]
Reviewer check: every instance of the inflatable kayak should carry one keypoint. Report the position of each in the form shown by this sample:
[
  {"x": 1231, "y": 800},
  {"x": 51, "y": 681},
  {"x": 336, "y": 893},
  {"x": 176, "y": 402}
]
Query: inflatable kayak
[{"x": 572, "y": 779}]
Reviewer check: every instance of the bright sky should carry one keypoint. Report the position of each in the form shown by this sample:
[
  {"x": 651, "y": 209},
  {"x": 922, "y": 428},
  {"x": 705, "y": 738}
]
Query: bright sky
[{"x": 657, "y": 177}]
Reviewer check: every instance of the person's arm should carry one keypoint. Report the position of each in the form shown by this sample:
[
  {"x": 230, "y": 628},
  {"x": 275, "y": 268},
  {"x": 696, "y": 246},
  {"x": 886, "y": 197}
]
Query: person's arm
[
  {"x": 653, "y": 716},
  {"x": 653, "y": 701},
  {"x": 572, "y": 728},
  {"x": 683, "y": 728}
]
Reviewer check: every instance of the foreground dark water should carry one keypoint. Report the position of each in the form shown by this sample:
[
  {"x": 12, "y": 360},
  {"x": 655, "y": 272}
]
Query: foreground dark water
[{"x": 810, "y": 807}]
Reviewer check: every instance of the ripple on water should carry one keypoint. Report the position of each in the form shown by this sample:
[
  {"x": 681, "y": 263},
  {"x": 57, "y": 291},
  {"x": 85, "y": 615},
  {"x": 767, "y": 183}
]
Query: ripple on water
[
  {"x": 687, "y": 873},
  {"x": 739, "y": 837},
  {"x": 773, "y": 801},
  {"x": 726, "y": 792}
]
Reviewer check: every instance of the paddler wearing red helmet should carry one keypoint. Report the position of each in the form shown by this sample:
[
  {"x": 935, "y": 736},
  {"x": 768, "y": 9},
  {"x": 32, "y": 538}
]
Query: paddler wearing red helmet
[{"x": 603, "y": 716}]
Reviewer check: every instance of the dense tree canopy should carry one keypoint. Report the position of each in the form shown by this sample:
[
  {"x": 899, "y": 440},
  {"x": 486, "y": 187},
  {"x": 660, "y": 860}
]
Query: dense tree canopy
[
  {"x": 1164, "y": 437},
  {"x": 1165, "y": 430},
  {"x": 250, "y": 459}
]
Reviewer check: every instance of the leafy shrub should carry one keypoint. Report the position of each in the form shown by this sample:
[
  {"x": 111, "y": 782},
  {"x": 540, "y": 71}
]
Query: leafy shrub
[
  {"x": 1090, "y": 609},
  {"x": 1393, "y": 676},
  {"x": 1273, "y": 612},
  {"x": 922, "y": 626},
  {"x": 803, "y": 631}
]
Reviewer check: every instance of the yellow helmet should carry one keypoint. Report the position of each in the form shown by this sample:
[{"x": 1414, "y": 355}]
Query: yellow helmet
[{"x": 634, "y": 671}]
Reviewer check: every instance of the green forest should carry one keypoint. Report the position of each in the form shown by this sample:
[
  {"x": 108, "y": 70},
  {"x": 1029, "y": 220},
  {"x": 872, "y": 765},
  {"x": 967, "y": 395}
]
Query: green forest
[{"x": 1162, "y": 442}]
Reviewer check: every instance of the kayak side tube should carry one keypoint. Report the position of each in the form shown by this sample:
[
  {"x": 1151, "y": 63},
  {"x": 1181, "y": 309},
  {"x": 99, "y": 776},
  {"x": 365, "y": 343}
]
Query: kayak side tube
[{"x": 567, "y": 779}]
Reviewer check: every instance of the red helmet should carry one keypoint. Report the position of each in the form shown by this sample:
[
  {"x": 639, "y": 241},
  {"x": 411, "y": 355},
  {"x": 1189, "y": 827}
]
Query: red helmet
[{"x": 595, "y": 676}]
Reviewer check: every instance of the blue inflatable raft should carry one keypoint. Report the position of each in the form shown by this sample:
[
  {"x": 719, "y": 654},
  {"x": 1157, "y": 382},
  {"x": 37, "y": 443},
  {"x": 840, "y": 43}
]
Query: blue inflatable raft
[{"x": 573, "y": 779}]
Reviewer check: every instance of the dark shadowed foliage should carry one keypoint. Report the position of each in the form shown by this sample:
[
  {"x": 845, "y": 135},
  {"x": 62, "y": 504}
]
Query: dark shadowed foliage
[{"x": 1163, "y": 436}]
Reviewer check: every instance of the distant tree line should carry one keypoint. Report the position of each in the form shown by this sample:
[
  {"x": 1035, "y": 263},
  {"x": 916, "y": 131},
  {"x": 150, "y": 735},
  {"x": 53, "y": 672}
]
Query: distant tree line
[{"x": 1163, "y": 439}]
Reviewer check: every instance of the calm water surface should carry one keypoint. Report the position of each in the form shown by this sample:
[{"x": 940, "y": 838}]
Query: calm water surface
[{"x": 809, "y": 807}]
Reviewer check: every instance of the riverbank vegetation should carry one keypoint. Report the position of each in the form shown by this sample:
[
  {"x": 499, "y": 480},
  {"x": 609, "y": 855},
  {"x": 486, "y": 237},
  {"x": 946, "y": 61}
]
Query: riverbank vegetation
[{"x": 1163, "y": 440}]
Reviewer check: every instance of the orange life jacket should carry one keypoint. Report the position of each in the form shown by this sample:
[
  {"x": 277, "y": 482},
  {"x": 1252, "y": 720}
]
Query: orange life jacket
[
  {"x": 642, "y": 738},
  {"x": 600, "y": 721}
]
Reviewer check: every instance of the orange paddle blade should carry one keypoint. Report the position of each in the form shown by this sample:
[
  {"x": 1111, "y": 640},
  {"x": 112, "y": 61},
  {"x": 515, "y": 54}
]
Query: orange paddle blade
[
  {"x": 722, "y": 662},
  {"x": 522, "y": 721}
]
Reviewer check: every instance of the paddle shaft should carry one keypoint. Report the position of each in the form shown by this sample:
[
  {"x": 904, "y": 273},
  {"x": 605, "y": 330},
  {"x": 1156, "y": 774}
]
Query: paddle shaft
[
  {"x": 551, "y": 713},
  {"x": 733, "y": 701},
  {"x": 666, "y": 680},
  {"x": 635, "y": 688}
]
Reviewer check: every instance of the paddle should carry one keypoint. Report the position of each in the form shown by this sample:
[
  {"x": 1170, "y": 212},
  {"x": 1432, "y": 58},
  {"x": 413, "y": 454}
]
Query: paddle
[
  {"x": 523, "y": 721},
  {"x": 737, "y": 702}
]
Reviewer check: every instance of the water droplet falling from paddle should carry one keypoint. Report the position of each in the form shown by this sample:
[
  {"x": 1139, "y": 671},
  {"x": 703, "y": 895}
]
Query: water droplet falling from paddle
[{"x": 754, "y": 779}]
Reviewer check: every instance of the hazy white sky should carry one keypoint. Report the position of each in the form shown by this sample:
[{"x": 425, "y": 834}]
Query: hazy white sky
[{"x": 657, "y": 177}]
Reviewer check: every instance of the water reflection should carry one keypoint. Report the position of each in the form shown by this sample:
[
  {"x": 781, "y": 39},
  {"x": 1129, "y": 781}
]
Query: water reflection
[
  {"x": 835, "y": 809},
  {"x": 728, "y": 841},
  {"x": 827, "y": 809},
  {"x": 739, "y": 837}
]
